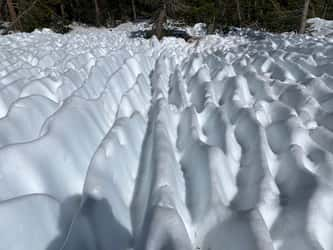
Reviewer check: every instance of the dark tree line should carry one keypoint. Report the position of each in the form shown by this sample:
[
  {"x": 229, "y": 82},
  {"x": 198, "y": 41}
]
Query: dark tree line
[{"x": 273, "y": 15}]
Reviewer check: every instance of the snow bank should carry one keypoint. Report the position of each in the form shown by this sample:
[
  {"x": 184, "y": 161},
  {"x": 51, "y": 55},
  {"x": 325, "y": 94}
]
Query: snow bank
[
  {"x": 320, "y": 27},
  {"x": 111, "y": 143}
]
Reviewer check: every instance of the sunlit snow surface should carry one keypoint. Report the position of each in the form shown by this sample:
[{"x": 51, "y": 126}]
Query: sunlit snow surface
[
  {"x": 111, "y": 143},
  {"x": 320, "y": 27}
]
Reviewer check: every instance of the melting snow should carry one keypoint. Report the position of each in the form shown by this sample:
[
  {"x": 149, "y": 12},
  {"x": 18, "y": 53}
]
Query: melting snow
[{"x": 111, "y": 143}]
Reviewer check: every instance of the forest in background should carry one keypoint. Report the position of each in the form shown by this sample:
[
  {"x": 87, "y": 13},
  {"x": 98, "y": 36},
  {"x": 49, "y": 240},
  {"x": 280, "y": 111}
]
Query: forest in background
[{"x": 271, "y": 15}]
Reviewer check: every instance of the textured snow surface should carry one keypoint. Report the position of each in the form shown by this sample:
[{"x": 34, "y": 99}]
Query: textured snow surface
[
  {"x": 110, "y": 143},
  {"x": 320, "y": 27}
]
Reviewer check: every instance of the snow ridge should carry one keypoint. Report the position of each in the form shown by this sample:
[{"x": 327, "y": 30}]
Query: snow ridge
[{"x": 115, "y": 143}]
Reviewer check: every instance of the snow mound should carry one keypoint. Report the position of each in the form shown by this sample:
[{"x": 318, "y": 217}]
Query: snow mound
[
  {"x": 111, "y": 143},
  {"x": 320, "y": 27},
  {"x": 198, "y": 30}
]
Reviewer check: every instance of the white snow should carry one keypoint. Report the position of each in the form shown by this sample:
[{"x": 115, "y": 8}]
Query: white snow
[
  {"x": 320, "y": 27},
  {"x": 198, "y": 30},
  {"x": 112, "y": 143}
]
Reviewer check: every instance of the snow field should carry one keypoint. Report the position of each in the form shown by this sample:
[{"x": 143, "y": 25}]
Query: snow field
[{"x": 111, "y": 143}]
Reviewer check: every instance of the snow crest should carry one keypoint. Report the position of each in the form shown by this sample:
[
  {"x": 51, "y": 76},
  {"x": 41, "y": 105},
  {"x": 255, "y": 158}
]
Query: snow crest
[{"x": 110, "y": 143}]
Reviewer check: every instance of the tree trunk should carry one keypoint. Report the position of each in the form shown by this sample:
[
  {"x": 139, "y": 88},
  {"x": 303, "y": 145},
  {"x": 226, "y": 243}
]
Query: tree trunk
[
  {"x": 2, "y": 10},
  {"x": 160, "y": 22},
  {"x": 98, "y": 13},
  {"x": 254, "y": 11},
  {"x": 239, "y": 12},
  {"x": 304, "y": 16},
  {"x": 134, "y": 10},
  {"x": 313, "y": 9},
  {"x": 76, "y": 10},
  {"x": 218, "y": 5},
  {"x": 261, "y": 12},
  {"x": 248, "y": 10},
  {"x": 323, "y": 15},
  {"x": 12, "y": 14},
  {"x": 62, "y": 9}
]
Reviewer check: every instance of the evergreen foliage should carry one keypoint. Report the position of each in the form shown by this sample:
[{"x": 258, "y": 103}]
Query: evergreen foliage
[{"x": 272, "y": 15}]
